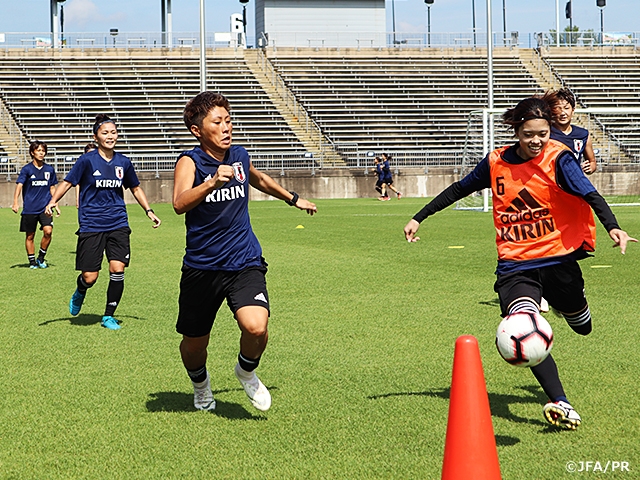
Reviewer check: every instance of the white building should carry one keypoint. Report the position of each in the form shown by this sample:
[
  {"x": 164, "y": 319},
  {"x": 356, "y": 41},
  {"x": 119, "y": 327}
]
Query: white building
[{"x": 318, "y": 23}]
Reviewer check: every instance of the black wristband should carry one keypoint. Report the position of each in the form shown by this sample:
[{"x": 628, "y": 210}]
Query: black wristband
[
  {"x": 149, "y": 210},
  {"x": 294, "y": 200}
]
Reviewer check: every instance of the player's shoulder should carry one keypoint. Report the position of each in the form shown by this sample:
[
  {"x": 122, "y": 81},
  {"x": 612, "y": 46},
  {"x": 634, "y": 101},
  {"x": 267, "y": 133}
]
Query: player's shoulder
[
  {"x": 237, "y": 152},
  {"x": 121, "y": 159},
  {"x": 579, "y": 131}
]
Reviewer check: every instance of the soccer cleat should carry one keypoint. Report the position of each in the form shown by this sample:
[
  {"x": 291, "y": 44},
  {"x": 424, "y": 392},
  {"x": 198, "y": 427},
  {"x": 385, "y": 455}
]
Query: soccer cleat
[
  {"x": 544, "y": 305},
  {"x": 561, "y": 414},
  {"x": 386, "y": 198},
  {"x": 41, "y": 263},
  {"x": 110, "y": 323},
  {"x": 33, "y": 266},
  {"x": 75, "y": 304},
  {"x": 399, "y": 195},
  {"x": 203, "y": 397},
  {"x": 256, "y": 391},
  {"x": 381, "y": 198}
]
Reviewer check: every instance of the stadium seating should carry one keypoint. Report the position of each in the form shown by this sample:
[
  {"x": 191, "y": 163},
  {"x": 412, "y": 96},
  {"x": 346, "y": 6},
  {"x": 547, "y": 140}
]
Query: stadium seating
[
  {"x": 55, "y": 97},
  {"x": 604, "y": 78},
  {"x": 411, "y": 100},
  {"x": 399, "y": 100}
]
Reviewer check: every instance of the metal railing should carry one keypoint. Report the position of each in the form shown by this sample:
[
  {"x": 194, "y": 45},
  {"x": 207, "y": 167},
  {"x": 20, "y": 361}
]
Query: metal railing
[
  {"x": 279, "y": 162},
  {"x": 320, "y": 39}
]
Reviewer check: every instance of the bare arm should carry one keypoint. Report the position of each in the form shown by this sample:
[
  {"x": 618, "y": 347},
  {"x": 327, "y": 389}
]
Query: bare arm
[
  {"x": 589, "y": 164},
  {"x": 141, "y": 198},
  {"x": 16, "y": 195},
  {"x": 185, "y": 195},
  {"x": 52, "y": 190},
  {"x": 266, "y": 184},
  {"x": 61, "y": 189}
]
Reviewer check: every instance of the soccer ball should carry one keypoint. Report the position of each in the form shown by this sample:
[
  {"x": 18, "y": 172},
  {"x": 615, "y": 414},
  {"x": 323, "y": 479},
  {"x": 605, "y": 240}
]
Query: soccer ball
[{"x": 524, "y": 339}]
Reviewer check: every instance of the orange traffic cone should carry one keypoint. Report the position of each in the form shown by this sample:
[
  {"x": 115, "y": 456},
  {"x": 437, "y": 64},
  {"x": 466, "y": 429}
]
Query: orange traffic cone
[{"x": 470, "y": 450}]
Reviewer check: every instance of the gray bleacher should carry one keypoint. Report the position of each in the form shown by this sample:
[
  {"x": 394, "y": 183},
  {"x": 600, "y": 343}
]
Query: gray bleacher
[
  {"x": 605, "y": 78},
  {"x": 387, "y": 100},
  {"x": 55, "y": 97},
  {"x": 377, "y": 99}
]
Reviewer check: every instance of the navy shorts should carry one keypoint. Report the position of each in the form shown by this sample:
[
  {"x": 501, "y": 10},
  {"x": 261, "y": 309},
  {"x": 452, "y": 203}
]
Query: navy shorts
[
  {"x": 29, "y": 221},
  {"x": 93, "y": 245},
  {"x": 561, "y": 285},
  {"x": 203, "y": 291}
]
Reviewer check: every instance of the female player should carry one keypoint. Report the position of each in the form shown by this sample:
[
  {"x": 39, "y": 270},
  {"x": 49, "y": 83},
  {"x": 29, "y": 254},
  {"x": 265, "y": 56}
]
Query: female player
[
  {"x": 223, "y": 258},
  {"x": 542, "y": 205},
  {"x": 574, "y": 137},
  {"x": 387, "y": 178},
  {"x": 102, "y": 174},
  {"x": 36, "y": 181}
]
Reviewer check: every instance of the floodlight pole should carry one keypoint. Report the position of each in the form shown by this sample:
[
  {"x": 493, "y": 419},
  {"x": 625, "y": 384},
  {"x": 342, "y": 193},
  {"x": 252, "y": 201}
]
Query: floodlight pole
[
  {"x": 203, "y": 51},
  {"x": 473, "y": 17},
  {"x": 557, "y": 23},
  {"x": 485, "y": 194}
]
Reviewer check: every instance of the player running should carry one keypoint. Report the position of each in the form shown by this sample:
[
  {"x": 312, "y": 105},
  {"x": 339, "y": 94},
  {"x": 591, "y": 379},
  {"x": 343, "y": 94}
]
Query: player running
[
  {"x": 36, "y": 182},
  {"x": 387, "y": 178},
  {"x": 223, "y": 258},
  {"x": 102, "y": 174},
  {"x": 542, "y": 204},
  {"x": 377, "y": 163},
  {"x": 574, "y": 137}
]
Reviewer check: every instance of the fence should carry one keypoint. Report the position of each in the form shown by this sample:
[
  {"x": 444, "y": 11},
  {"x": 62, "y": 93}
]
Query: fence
[
  {"x": 279, "y": 163},
  {"x": 191, "y": 40}
]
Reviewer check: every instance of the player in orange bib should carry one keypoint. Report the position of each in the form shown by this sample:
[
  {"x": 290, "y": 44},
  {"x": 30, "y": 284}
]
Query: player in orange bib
[{"x": 542, "y": 212}]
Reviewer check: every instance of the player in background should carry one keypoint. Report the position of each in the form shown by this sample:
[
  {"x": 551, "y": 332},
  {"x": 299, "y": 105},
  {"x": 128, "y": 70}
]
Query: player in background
[
  {"x": 36, "y": 182},
  {"x": 377, "y": 163},
  {"x": 574, "y": 137},
  {"x": 542, "y": 204},
  {"x": 102, "y": 175},
  {"x": 387, "y": 178},
  {"x": 223, "y": 258}
]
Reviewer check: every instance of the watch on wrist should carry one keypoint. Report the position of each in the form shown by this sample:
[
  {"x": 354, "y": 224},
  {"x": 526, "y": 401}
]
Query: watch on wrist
[
  {"x": 149, "y": 210},
  {"x": 293, "y": 200}
]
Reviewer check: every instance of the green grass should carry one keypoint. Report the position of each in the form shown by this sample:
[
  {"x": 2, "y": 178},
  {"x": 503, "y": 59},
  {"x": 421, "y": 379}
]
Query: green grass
[{"x": 359, "y": 358}]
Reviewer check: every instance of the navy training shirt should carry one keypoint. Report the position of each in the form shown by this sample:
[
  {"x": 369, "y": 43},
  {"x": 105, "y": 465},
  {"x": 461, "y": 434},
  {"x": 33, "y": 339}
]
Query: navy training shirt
[
  {"x": 102, "y": 184},
  {"x": 219, "y": 233},
  {"x": 36, "y": 187},
  {"x": 576, "y": 140}
]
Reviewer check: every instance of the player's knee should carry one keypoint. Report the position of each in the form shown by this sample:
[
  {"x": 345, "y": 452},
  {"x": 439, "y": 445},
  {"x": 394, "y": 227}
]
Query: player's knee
[{"x": 254, "y": 327}]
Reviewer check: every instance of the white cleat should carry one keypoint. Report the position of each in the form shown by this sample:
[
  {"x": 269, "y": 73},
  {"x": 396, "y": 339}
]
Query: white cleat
[
  {"x": 203, "y": 397},
  {"x": 256, "y": 391},
  {"x": 544, "y": 305},
  {"x": 561, "y": 414}
]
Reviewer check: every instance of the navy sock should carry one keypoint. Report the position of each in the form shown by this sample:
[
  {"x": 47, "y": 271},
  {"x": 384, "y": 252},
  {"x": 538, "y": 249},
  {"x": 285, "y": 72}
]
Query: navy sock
[
  {"x": 82, "y": 285},
  {"x": 198, "y": 375},
  {"x": 114, "y": 293},
  {"x": 248, "y": 364},
  {"x": 547, "y": 375}
]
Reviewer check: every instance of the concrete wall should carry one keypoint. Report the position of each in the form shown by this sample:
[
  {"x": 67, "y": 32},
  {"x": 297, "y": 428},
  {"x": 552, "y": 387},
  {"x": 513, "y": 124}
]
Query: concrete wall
[{"x": 345, "y": 184}]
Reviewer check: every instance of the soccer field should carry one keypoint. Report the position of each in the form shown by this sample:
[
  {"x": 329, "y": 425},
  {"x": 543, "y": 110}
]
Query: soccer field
[{"x": 359, "y": 360}]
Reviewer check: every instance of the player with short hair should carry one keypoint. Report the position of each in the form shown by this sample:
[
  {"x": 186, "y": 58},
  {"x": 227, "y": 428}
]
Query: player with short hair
[
  {"x": 223, "y": 258},
  {"x": 387, "y": 178},
  {"x": 542, "y": 209},
  {"x": 103, "y": 174},
  {"x": 36, "y": 182},
  {"x": 576, "y": 138}
]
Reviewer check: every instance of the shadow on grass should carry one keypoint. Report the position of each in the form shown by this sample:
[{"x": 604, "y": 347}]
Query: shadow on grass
[
  {"x": 183, "y": 402},
  {"x": 499, "y": 403},
  {"x": 495, "y": 302},
  {"x": 26, "y": 265},
  {"x": 87, "y": 319}
]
